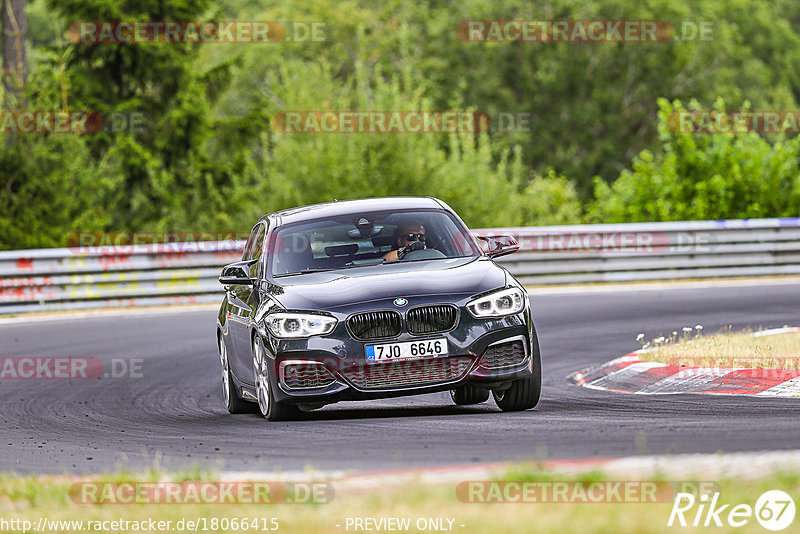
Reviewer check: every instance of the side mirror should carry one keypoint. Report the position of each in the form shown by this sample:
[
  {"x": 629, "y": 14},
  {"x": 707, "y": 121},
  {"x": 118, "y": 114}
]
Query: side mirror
[
  {"x": 495, "y": 246},
  {"x": 236, "y": 273}
]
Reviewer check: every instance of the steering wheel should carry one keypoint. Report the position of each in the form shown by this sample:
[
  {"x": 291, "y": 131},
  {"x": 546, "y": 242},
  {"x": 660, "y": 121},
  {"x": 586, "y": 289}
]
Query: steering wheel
[
  {"x": 417, "y": 251},
  {"x": 405, "y": 251}
]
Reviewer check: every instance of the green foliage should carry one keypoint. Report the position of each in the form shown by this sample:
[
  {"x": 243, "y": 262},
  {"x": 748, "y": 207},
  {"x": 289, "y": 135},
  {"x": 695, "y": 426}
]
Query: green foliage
[
  {"x": 550, "y": 199},
  {"x": 593, "y": 104},
  {"x": 52, "y": 187},
  {"x": 208, "y": 158},
  {"x": 704, "y": 176},
  {"x": 458, "y": 168}
]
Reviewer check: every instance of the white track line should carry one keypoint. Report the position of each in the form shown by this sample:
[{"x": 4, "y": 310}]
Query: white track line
[
  {"x": 660, "y": 286},
  {"x": 747, "y": 465},
  {"x": 115, "y": 312}
]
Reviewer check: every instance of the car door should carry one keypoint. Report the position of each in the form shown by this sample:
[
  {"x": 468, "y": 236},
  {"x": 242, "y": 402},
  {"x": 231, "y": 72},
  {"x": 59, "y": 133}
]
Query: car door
[{"x": 242, "y": 302}]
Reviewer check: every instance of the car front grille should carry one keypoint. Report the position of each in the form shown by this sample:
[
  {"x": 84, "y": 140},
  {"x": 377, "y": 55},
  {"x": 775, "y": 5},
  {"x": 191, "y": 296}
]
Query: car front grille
[
  {"x": 408, "y": 373},
  {"x": 504, "y": 355},
  {"x": 375, "y": 325},
  {"x": 431, "y": 319},
  {"x": 302, "y": 375}
]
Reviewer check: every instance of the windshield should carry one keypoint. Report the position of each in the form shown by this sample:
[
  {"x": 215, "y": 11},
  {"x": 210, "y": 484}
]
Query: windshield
[{"x": 368, "y": 239}]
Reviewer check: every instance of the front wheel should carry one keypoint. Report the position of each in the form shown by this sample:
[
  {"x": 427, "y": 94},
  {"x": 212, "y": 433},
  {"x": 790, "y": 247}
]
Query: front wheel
[
  {"x": 232, "y": 400},
  {"x": 271, "y": 410},
  {"x": 469, "y": 394},
  {"x": 523, "y": 394}
]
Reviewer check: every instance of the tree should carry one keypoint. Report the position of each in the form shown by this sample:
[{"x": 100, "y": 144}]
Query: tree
[
  {"x": 168, "y": 162},
  {"x": 15, "y": 61}
]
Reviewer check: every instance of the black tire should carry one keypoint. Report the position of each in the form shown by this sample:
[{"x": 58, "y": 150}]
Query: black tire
[
  {"x": 469, "y": 394},
  {"x": 233, "y": 402},
  {"x": 523, "y": 394},
  {"x": 269, "y": 408}
]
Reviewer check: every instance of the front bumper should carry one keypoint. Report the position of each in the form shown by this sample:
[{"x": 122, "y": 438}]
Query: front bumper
[{"x": 335, "y": 367}]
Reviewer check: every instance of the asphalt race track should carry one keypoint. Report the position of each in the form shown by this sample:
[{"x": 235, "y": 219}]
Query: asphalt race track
[{"x": 173, "y": 415}]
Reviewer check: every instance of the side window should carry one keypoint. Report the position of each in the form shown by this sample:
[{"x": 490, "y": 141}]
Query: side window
[
  {"x": 248, "y": 247},
  {"x": 255, "y": 243},
  {"x": 255, "y": 248},
  {"x": 258, "y": 246}
]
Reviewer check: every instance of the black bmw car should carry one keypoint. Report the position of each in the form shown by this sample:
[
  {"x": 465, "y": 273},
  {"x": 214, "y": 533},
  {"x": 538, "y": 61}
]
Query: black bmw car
[{"x": 373, "y": 298}]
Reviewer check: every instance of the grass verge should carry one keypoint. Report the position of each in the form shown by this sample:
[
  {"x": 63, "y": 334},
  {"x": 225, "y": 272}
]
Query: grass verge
[
  {"x": 31, "y": 498},
  {"x": 727, "y": 349}
]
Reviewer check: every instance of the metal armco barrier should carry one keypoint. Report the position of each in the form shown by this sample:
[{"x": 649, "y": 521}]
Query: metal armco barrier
[
  {"x": 180, "y": 273},
  {"x": 113, "y": 276},
  {"x": 654, "y": 251}
]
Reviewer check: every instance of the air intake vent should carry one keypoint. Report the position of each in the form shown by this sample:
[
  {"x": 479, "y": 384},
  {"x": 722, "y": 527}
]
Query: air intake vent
[
  {"x": 430, "y": 319},
  {"x": 305, "y": 375},
  {"x": 375, "y": 325},
  {"x": 504, "y": 355},
  {"x": 409, "y": 373}
]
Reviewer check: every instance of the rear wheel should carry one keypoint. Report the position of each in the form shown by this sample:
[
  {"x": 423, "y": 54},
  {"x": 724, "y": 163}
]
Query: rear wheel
[
  {"x": 232, "y": 400},
  {"x": 523, "y": 394},
  {"x": 271, "y": 410},
  {"x": 469, "y": 394}
]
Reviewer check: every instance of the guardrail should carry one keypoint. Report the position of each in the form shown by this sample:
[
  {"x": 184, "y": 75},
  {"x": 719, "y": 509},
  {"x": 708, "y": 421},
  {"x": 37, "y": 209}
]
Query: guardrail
[
  {"x": 655, "y": 251},
  {"x": 180, "y": 273},
  {"x": 113, "y": 276}
]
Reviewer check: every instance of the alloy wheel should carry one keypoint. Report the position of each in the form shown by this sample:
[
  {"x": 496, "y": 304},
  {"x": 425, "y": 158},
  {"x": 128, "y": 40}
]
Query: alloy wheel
[
  {"x": 261, "y": 378},
  {"x": 223, "y": 360}
]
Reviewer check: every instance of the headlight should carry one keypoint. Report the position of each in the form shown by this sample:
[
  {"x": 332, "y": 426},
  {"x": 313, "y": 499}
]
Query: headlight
[
  {"x": 299, "y": 324},
  {"x": 498, "y": 304}
]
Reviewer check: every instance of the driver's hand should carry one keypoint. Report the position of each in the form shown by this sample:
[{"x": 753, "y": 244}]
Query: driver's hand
[{"x": 416, "y": 245}]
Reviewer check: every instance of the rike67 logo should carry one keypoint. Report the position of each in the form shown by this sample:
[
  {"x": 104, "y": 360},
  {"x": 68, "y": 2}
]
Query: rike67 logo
[{"x": 774, "y": 510}]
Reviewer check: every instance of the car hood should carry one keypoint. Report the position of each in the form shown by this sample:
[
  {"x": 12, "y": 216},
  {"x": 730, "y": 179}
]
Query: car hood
[{"x": 336, "y": 289}]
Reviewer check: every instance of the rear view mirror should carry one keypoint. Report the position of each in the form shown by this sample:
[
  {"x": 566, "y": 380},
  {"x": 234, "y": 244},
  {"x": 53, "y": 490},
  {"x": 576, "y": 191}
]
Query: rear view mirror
[
  {"x": 364, "y": 232},
  {"x": 495, "y": 246},
  {"x": 236, "y": 273}
]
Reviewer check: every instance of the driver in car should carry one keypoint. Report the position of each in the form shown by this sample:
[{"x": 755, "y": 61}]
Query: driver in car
[{"x": 406, "y": 234}]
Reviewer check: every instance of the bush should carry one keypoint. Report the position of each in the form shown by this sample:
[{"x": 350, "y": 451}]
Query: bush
[
  {"x": 460, "y": 169},
  {"x": 703, "y": 176},
  {"x": 52, "y": 187}
]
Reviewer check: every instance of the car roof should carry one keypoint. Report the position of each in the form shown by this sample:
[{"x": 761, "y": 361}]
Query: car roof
[{"x": 345, "y": 207}]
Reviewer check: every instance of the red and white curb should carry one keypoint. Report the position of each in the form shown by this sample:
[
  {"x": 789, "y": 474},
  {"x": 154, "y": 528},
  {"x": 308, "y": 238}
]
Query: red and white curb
[{"x": 629, "y": 374}]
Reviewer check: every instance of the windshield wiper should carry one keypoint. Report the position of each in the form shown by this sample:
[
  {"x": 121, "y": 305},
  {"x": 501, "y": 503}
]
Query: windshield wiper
[
  {"x": 304, "y": 271},
  {"x": 351, "y": 265},
  {"x": 387, "y": 262}
]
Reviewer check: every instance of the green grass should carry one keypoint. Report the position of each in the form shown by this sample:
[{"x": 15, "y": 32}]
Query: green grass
[
  {"x": 729, "y": 349},
  {"x": 29, "y": 498}
]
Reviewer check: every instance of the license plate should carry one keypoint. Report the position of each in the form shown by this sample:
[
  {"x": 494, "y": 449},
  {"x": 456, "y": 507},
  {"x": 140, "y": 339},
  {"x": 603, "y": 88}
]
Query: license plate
[{"x": 407, "y": 350}]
